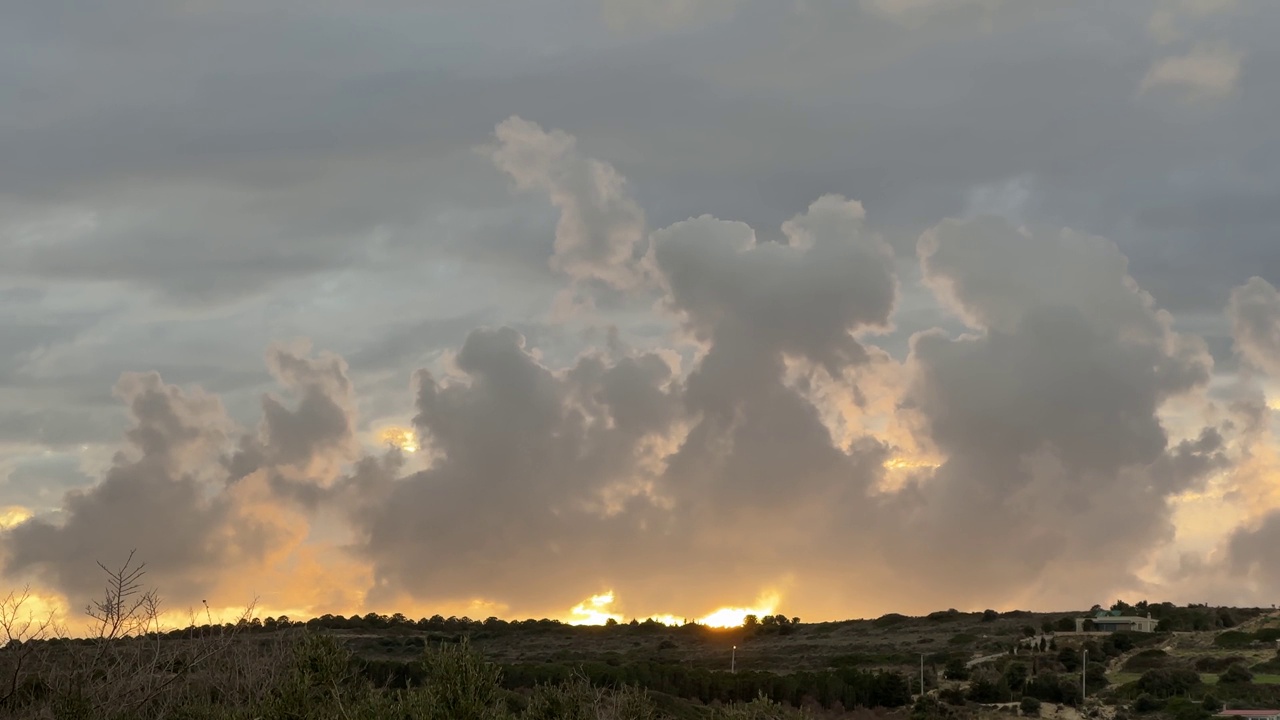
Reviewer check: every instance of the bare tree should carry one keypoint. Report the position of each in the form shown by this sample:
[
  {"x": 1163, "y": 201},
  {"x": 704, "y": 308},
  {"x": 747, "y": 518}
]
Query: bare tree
[{"x": 23, "y": 633}]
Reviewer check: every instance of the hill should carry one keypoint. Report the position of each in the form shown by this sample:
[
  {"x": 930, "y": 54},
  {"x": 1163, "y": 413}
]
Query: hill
[{"x": 974, "y": 665}]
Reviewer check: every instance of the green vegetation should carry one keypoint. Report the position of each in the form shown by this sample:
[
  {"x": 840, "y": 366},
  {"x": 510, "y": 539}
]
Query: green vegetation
[{"x": 372, "y": 666}]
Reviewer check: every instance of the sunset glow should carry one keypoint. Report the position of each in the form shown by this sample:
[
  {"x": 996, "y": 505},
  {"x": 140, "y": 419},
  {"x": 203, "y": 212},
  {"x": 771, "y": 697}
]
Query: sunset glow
[
  {"x": 730, "y": 617},
  {"x": 908, "y": 463},
  {"x": 598, "y": 610},
  {"x": 13, "y": 515},
  {"x": 403, "y": 438},
  {"x": 593, "y": 611}
]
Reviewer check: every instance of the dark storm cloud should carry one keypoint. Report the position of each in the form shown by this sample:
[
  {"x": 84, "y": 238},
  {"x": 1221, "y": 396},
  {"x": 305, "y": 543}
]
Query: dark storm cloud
[
  {"x": 1049, "y": 419},
  {"x": 153, "y": 498},
  {"x": 196, "y": 522},
  {"x": 308, "y": 146},
  {"x": 527, "y": 458}
]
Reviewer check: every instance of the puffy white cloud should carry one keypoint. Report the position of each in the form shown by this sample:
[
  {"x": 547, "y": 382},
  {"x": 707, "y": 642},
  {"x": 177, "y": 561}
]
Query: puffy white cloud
[
  {"x": 600, "y": 224},
  {"x": 1255, "y": 319}
]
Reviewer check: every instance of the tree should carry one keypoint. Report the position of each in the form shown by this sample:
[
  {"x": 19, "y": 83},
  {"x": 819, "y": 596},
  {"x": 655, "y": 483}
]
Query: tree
[
  {"x": 1016, "y": 676},
  {"x": 989, "y": 615},
  {"x": 1069, "y": 658},
  {"x": 986, "y": 690},
  {"x": 955, "y": 669},
  {"x": 1211, "y": 704},
  {"x": 1028, "y": 631},
  {"x": 750, "y": 621},
  {"x": 1029, "y": 706}
]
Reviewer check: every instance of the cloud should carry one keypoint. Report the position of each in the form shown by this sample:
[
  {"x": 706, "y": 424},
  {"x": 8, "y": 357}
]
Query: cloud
[
  {"x": 667, "y": 15},
  {"x": 156, "y": 497},
  {"x": 600, "y": 224},
  {"x": 914, "y": 11},
  {"x": 1251, "y": 553},
  {"x": 209, "y": 524},
  {"x": 1206, "y": 72},
  {"x": 528, "y": 461},
  {"x": 1169, "y": 21},
  {"x": 1255, "y": 319},
  {"x": 1068, "y": 345},
  {"x": 753, "y": 438}
]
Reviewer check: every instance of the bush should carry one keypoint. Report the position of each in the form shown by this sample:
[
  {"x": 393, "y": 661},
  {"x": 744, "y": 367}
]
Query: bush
[
  {"x": 1216, "y": 664},
  {"x": 1030, "y": 706},
  {"x": 1211, "y": 704},
  {"x": 1147, "y": 660},
  {"x": 1167, "y": 682},
  {"x": 1184, "y": 709},
  {"x": 1146, "y": 703},
  {"x": 1235, "y": 675},
  {"x": 955, "y": 669},
  {"x": 1234, "y": 639},
  {"x": 985, "y": 690}
]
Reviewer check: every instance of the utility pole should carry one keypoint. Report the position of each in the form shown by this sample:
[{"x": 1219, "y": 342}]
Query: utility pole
[
  {"x": 922, "y": 674},
  {"x": 1084, "y": 671},
  {"x": 733, "y": 661}
]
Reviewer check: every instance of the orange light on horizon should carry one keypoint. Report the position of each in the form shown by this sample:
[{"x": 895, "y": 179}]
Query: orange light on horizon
[
  {"x": 731, "y": 617},
  {"x": 597, "y": 610},
  {"x": 594, "y": 610}
]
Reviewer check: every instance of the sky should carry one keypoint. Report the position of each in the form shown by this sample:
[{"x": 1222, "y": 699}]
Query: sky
[{"x": 632, "y": 308}]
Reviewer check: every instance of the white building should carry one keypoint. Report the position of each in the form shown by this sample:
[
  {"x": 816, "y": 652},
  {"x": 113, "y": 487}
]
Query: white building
[{"x": 1113, "y": 621}]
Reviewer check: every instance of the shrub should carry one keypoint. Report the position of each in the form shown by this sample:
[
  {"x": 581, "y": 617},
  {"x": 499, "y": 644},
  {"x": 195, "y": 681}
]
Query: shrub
[
  {"x": 1184, "y": 709},
  {"x": 1146, "y": 703},
  {"x": 1211, "y": 704},
  {"x": 1166, "y": 682},
  {"x": 985, "y": 690},
  {"x": 1233, "y": 639},
  {"x": 1147, "y": 660},
  {"x": 1235, "y": 675},
  {"x": 1216, "y": 663},
  {"x": 955, "y": 669},
  {"x": 1030, "y": 706},
  {"x": 952, "y": 696}
]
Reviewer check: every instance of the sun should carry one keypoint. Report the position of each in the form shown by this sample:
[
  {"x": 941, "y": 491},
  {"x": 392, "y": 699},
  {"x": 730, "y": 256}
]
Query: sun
[
  {"x": 403, "y": 438},
  {"x": 732, "y": 617}
]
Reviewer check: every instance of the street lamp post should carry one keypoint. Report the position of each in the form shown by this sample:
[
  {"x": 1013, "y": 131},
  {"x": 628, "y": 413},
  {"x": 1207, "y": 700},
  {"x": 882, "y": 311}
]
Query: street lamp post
[
  {"x": 733, "y": 660},
  {"x": 922, "y": 674},
  {"x": 1084, "y": 670}
]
